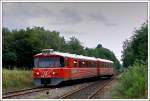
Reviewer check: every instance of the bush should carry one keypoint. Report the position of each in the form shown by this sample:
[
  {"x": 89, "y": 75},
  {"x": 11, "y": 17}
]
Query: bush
[
  {"x": 133, "y": 83},
  {"x": 16, "y": 79}
]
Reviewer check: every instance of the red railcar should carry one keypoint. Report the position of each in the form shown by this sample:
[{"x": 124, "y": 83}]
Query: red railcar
[{"x": 51, "y": 67}]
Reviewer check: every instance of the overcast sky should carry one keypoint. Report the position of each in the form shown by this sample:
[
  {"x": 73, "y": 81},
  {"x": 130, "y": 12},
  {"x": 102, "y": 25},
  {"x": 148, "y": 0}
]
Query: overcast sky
[{"x": 92, "y": 23}]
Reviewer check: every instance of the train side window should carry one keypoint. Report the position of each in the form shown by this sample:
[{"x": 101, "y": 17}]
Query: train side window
[
  {"x": 91, "y": 63},
  {"x": 88, "y": 65},
  {"x": 94, "y": 64},
  {"x": 67, "y": 62},
  {"x": 80, "y": 63},
  {"x": 83, "y": 63},
  {"x": 106, "y": 65},
  {"x": 62, "y": 62},
  {"x": 75, "y": 62},
  {"x": 102, "y": 64}
]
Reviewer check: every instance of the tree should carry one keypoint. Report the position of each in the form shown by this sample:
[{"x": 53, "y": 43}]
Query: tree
[
  {"x": 99, "y": 46},
  {"x": 74, "y": 46},
  {"x": 19, "y": 46},
  {"x": 133, "y": 82},
  {"x": 9, "y": 54},
  {"x": 137, "y": 47}
]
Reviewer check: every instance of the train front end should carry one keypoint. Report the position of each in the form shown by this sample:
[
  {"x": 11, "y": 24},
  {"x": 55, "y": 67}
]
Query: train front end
[{"x": 48, "y": 69}]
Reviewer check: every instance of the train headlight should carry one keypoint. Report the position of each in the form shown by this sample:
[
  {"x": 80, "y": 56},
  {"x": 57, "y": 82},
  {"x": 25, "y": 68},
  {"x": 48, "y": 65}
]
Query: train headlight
[
  {"x": 37, "y": 73},
  {"x": 53, "y": 73}
]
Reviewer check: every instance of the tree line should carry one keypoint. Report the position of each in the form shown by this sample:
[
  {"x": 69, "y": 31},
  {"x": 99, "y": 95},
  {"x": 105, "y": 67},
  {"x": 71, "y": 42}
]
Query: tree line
[
  {"x": 136, "y": 48},
  {"x": 134, "y": 81},
  {"x": 19, "y": 46}
]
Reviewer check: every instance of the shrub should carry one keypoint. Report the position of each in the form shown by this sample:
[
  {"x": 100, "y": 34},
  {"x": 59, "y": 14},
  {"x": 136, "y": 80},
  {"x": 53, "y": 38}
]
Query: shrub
[{"x": 133, "y": 83}]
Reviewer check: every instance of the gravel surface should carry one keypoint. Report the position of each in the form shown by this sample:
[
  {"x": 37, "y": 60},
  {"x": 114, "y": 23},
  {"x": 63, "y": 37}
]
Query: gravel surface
[
  {"x": 106, "y": 92},
  {"x": 56, "y": 92},
  {"x": 84, "y": 93},
  {"x": 52, "y": 92}
]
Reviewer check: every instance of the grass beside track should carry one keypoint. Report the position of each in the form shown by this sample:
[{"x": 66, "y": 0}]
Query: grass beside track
[
  {"x": 133, "y": 84},
  {"x": 16, "y": 79}
]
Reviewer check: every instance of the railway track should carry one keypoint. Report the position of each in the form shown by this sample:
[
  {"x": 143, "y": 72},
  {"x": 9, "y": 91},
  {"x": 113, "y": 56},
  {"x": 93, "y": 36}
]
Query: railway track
[
  {"x": 86, "y": 92},
  {"x": 11, "y": 94}
]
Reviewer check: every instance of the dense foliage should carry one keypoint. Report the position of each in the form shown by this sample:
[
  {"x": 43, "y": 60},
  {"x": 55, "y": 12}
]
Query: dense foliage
[
  {"x": 19, "y": 46},
  {"x": 134, "y": 81},
  {"x": 137, "y": 47}
]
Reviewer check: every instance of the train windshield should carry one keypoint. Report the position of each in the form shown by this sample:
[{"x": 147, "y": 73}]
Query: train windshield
[{"x": 49, "y": 62}]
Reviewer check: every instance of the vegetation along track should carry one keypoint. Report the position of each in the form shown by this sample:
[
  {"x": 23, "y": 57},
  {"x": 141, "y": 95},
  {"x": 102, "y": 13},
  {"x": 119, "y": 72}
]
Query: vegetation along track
[
  {"x": 11, "y": 94},
  {"x": 87, "y": 92}
]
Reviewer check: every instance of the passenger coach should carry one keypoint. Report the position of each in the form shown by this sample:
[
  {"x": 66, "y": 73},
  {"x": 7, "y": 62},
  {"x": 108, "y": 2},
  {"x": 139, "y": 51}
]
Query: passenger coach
[{"x": 51, "y": 67}]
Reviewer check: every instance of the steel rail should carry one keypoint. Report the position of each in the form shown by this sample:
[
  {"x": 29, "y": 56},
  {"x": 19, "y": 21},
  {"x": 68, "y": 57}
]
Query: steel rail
[
  {"x": 99, "y": 89},
  {"x": 75, "y": 91},
  {"x": 22, "y": 92},
  {"x": 15, "y": 91}
]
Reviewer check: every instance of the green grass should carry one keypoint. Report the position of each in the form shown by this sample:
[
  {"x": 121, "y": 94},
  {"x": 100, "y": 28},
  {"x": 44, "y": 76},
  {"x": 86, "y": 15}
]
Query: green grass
[
  {"x": 16, "y": 79},
  {"x": 133, "y": 83}
]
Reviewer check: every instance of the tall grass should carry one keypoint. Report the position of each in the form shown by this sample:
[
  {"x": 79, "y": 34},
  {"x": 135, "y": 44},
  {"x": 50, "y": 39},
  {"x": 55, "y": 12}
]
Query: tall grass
[
  {"x": 16, "y": 79},
  {"x": 133, "y": 83}
]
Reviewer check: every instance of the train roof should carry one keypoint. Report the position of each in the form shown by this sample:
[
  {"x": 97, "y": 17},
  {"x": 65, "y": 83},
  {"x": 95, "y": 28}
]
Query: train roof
[
  {"x": 104, "y": 60},
  {"x": 75, "y": 56}
]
